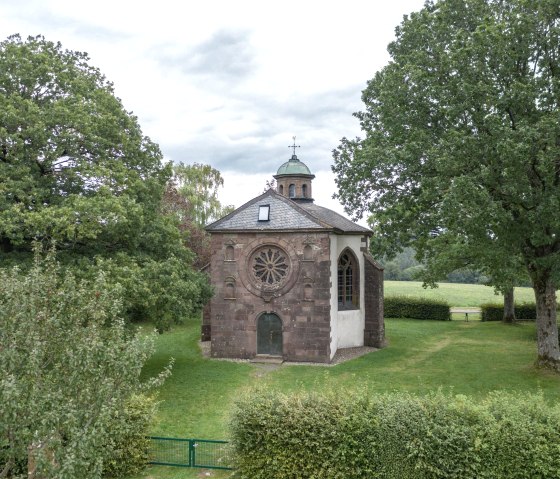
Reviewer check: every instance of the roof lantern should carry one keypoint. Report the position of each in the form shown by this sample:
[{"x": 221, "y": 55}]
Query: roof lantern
[{"x": 293, "y": 178}]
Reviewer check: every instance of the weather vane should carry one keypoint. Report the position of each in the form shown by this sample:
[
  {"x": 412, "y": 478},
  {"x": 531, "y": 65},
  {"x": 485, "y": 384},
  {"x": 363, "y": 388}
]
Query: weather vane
[{"x": 294, "y": 146}]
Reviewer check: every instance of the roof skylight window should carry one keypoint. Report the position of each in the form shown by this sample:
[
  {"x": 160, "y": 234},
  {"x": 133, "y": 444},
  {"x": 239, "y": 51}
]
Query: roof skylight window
[{"x": 264, "y": 213}]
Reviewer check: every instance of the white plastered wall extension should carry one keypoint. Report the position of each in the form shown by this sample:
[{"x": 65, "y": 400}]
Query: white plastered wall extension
[{"x": 347, "y": 327}]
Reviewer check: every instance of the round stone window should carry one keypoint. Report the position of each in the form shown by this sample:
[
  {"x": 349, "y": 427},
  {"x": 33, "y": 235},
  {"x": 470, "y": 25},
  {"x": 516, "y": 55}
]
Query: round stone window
[{"x": 269, "y": 267}]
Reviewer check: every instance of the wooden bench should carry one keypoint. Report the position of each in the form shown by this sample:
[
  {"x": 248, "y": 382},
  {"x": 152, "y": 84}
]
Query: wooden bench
[{"x": 465, "y": 311}]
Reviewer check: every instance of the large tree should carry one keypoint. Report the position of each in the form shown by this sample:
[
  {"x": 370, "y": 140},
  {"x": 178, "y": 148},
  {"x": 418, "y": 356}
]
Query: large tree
[
  {"x": 74, "y": 163},
  {"x": 191, "y": 197},
  {"x": 75, "y": 168},
  {"x": 462, "y": 138},
  {"x": 199, "y": 185}
]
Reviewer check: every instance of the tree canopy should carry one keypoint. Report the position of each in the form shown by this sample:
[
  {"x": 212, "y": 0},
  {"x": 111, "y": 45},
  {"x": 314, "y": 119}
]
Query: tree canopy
[
  {"x": 76, "y": 169},
  {"x": 198, "y": 184},
  {"x": 69, "y": 370},
  {"x": 74, "y": 164},
  {"x": 462, "y": 142},
  {"x": 191, "y": 197}
]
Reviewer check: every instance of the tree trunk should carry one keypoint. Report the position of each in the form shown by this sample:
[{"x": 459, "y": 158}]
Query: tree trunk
[
  {"x": 547, "y": 327},
  {"x": 5, "y": 244},
  {"x": 509, "y": 306}
]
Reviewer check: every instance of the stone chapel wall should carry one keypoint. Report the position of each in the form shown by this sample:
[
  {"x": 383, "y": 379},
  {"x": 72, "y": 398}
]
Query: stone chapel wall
[
  {"x": 374, "y": 331},
  {"x": 302, "y": 302}
]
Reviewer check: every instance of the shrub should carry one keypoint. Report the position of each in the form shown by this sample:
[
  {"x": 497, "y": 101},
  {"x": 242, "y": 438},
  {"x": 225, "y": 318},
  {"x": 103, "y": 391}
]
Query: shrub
[
  {"x": 495, "y": 311},
  {"x": 416, "y": 308},
  {"x": 400, "y": 436},
  {"x": 128, "y": 450},
  {"x": 69, "y": 369},
  {"x": 491, "y": 312}
]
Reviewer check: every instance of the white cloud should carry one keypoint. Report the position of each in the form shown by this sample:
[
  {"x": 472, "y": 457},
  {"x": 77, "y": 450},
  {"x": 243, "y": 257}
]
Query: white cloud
[{"x": 229, "y": 83}]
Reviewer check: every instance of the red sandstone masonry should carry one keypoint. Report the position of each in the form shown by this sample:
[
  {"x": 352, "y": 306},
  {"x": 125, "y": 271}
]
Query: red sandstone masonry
[{"x": 305, "y": 321}]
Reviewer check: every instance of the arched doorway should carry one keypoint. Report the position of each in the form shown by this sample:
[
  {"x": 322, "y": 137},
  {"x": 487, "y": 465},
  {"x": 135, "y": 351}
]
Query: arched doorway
[{"x": 269, "y": 334}]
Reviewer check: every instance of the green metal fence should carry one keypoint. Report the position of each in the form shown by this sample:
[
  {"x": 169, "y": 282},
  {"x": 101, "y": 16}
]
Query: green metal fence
[{"x": 170, "y": 451}]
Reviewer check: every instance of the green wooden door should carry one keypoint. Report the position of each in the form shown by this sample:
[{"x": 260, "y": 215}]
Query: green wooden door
[{"x": 269, "y": 335}]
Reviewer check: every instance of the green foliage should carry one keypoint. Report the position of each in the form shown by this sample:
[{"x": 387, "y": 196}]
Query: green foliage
[
  {"x": 76, "y": 169},
  {"x": 495, "y": 312},
  {"x": 199, "y": 185},
  {"x": 395, "y": 435},
  {"x": 74, "y": 163},
  {"x": 166, "y": 291},
  {"x": 69, "y": 369},
  {"x": 492, "y": 312},
  {"x": 460, "y": 147},
  {"x": 405, "y": 267},
  {"x": 416, "y": 308},
  {"x": 128, "y": 450},
  {"x": 467, "y": 276},
  {"x": 191, "y": 197}
]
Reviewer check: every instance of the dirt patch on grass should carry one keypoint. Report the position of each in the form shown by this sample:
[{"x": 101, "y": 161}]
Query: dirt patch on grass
[
  {"x": 262, "y": 370},
  {"x": 422, "y": 355}
]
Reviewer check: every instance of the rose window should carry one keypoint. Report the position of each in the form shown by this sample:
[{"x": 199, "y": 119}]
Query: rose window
[{"x": 270, "y": 266}]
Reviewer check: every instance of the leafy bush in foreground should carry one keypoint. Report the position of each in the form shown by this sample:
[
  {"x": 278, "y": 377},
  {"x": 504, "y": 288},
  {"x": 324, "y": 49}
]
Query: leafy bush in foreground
[
  {"x": 415, "y": 308},
  {"x": 128, "y": 448},
  {"x": 70, "y": 369},
  {"x": 400, "y": 436}
]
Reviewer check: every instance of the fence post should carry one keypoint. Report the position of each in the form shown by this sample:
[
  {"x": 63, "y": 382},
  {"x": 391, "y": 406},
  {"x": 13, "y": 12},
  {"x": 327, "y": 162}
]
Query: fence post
[{"x": 192, "y": 449}]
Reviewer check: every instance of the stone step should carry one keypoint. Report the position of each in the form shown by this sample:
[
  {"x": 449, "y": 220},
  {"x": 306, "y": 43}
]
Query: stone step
[{"x": 265, "y": 359}]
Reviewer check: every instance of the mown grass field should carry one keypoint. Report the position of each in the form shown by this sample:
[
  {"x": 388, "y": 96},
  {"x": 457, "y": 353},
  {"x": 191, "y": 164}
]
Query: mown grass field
[
  {"x": 470, "y": 358},
  {"x": 466, "y": 295}
]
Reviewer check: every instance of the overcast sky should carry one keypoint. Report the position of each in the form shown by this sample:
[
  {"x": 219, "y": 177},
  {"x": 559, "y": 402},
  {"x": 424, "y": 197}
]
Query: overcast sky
[{"x": 229, "y": 82}]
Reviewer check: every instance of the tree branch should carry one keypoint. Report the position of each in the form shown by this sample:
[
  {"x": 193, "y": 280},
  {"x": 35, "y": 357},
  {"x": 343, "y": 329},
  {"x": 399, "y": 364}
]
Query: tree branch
[
  {"x": 7, "y": 468},
  {"x": 512, "y": 118}
]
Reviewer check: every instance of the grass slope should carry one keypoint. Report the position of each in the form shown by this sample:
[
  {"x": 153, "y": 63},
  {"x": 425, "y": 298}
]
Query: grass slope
[
  {"x": 471, "y": 358},
  {"x": 467, "y": 295}
]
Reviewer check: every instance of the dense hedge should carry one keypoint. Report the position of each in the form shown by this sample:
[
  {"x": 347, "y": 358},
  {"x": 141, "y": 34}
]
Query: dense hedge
[
  {"x": 495, "y": 311},
  {"x": 398, "y": 436},
  {"x": 415, "y": 308},
  {"x": 128, "y": 452}
]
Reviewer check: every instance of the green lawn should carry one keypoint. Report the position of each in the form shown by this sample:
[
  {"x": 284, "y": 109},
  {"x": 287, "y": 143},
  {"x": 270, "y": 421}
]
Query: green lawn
[
  {"x": 456, "y": 294},
  {"x": 471, "y": 358}
]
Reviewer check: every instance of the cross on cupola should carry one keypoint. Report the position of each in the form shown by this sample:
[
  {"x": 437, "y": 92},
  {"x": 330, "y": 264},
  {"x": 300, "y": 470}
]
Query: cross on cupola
[{"x": 294, "y": 146}]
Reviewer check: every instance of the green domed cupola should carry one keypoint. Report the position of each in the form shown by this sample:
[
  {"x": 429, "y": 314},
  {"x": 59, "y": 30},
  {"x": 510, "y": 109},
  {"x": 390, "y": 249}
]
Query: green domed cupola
[
  {"x": 293, "y": 179},
  {"x": 293, "y": 167}
]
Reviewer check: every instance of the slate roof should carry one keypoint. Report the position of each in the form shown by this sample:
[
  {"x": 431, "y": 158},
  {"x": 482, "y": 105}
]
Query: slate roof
[
  {"x": 332, "y": 218},
  {"x": 285, "y": 214}
]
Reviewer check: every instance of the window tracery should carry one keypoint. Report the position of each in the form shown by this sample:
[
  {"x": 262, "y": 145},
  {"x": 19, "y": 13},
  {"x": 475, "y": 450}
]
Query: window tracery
[
  {"x": 270, "y": 266},
  {"x": 348, "y": 286}
]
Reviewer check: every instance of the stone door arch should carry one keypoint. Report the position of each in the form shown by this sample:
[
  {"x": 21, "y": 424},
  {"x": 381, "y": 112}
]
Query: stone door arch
[{"x": 269, "y": 334}]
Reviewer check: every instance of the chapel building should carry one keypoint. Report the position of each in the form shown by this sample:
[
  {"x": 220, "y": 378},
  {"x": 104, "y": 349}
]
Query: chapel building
[{"x": 291, "y": 279}]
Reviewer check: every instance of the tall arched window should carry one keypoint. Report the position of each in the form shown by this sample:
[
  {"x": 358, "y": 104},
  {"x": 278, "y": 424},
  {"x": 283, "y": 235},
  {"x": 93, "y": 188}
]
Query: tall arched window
[
  {"x": 292, "y": 191},
  {"x": 304, "y": 191},
  {"x": 281, "y": 189},
  {"x": 348, "y": 281}
]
